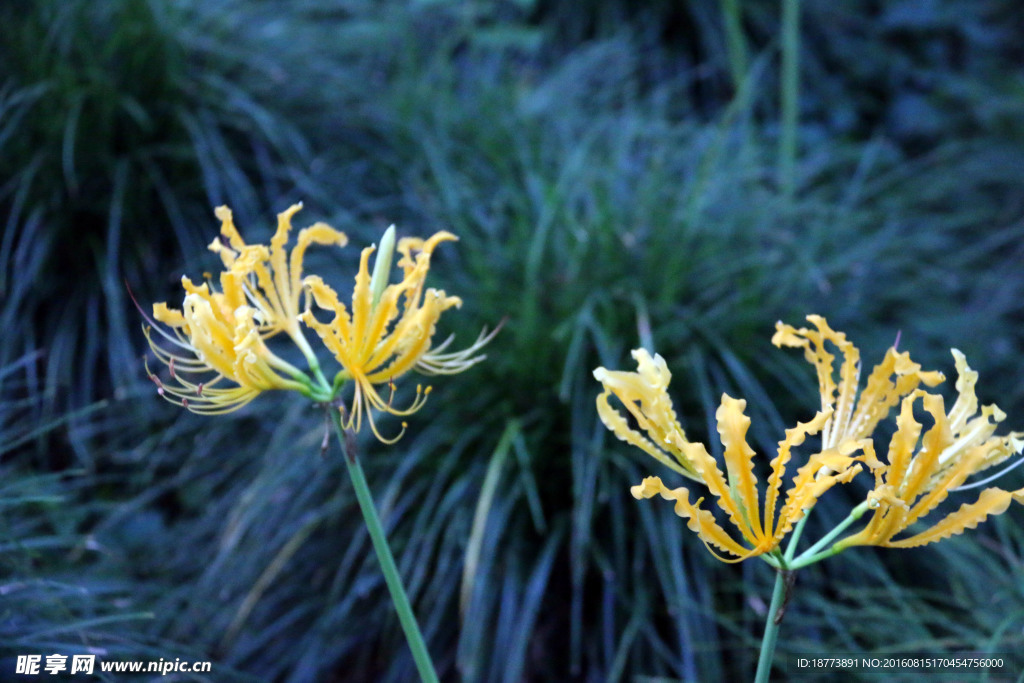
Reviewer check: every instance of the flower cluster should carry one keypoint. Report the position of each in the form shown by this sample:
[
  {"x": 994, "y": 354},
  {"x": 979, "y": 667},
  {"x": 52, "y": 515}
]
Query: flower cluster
[
  {"x": 375, "y": 344},
  {"x": 916, "y": 475},
  {"x": 215, "y": 345}
]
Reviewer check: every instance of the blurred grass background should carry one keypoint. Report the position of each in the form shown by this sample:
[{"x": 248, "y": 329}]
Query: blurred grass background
[{"x": 616, "y": 174}]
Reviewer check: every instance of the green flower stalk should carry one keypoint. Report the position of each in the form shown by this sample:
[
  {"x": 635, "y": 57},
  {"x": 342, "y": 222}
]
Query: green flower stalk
[{"x": 218, "y": 359}]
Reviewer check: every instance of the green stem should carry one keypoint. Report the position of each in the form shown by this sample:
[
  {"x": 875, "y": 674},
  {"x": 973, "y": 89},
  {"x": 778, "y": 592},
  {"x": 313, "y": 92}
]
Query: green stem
[
  {"x": 387, "y": 561},
  {"x": 771, "y": 629},
  {"x": 809, "y": 558},
  {"x": 311, "y": 360},
  {"x": 795, "y": 538},
  {"x": 773, "y": 559},
  {"x": 735, "y": 43},
  {"x": 814, "y": 553},
  {"x": 789, "y": 95}
]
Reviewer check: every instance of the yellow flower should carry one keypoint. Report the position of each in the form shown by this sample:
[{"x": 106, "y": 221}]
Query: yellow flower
[
  {"x": 389, "y": 330},
  {"x": 272, "y": 278},
  {"x": 891, "y": 380},
  {"x": 221, "y": 333},
  {"x": 644, "y": 394},
  {"x": 736, "y": 490},
  {"x": 919, "y": 476},
  {"x": 215, "y": 339},
  {"x": 845, "y": 423}
]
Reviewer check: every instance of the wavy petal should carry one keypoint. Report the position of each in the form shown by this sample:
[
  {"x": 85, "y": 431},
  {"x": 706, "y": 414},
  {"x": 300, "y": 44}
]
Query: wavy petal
[
  {"x": 699, "y": 521},
  {"x": 615, "y": 422},
  {"x": 794, "y": 438},
  {"x": 992, "y": 501},
  {"x": 882, "y": 392},
  {"x": 739, "y": 461}
]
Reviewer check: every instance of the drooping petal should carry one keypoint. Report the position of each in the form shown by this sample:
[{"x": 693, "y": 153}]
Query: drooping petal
[
  {"x": 992, "y": 501},
  {"x": 644, "y": 394},
  {"x": 701, "y": 522}
]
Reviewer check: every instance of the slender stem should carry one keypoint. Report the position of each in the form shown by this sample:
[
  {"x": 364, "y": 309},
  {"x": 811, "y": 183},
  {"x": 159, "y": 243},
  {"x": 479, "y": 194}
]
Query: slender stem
[
  {"x": 311, "y": 359},
  {"x": 789, "y": 95},
  {"x": 771, "y": 629},
  {"x": 814, "y": 554},
  {"x": 809, "y": 559},
  {"x": 797, "y": 533},
  {"x": 736, "y": 45},
  {"x": 387, "y": 561}
]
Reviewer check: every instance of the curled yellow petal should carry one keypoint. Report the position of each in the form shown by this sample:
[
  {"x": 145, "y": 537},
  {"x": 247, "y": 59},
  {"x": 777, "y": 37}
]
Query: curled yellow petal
[
  {"x": 614, "y": 421},
  {"x": 992, "y": 501},
  {"x": 794, "y": 438},
  {"x": 893, "y": 378},
  {"x": 699, "y": 521},
  {"x": 217, "y": 338},
  {"x": 739, "y": 461},
  {"x": 822, "y": 471},
  {"x": 644, "y": 394},
  {"x": 922, "y": 472}
]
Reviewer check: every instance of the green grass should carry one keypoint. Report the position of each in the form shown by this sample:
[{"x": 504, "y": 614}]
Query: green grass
[
  {"x": 607, "y": 195},
  {"x": 122, "y": 124}
]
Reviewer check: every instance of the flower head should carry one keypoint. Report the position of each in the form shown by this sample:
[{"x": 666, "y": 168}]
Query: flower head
[
  {"x": 389, "y": 329},
  {"x": 921, "y": 471},
  {"x": 218, "y": 360},
  {"x": 644, "y": 393},
  {"x": 853, "y": 418},
  {"x": 844, "y": 422},
  {"x": 736, "y": 489}
]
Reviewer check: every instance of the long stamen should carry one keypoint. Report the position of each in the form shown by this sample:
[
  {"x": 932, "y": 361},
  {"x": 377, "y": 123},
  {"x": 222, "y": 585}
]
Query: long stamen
[{"x": 988, "y": 480}]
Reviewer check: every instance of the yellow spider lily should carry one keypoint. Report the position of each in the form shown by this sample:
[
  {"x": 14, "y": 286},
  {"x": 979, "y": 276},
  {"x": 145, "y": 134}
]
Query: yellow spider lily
[
  {"x": 891, "y": 380},
  {"x": 958, "y": 445},
  {"x": 221, "y": 333},
  {"x": 844, "y": 422},
  {"x": 736, "y": 490},
  {"x": 376, "y": 342}
]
